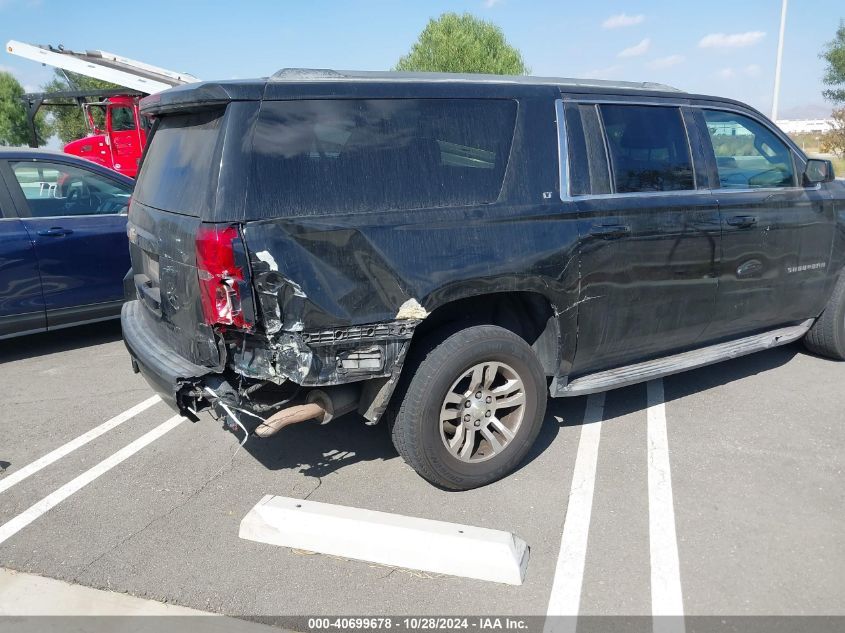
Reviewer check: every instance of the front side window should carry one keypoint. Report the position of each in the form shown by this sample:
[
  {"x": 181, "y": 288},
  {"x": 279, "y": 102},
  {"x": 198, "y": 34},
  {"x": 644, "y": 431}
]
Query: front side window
[
  {"x": 55, "y": 189},
  {"x": 748, "y": 154},
  {"x": 648, "y": 148},
  {"x": 346, "y": 156}
]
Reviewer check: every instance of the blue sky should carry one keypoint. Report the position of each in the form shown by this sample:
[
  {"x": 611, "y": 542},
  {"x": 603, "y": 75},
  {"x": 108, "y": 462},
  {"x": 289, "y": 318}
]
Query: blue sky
[{"x": 724, "y": 47}]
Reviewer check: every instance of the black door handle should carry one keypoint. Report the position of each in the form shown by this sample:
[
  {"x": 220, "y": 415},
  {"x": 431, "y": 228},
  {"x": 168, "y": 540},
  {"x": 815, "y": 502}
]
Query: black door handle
[
  {"x": 742, "y": 221},
  {"x": 610, "y": 231},
  {"x": 55, "y": 231}
]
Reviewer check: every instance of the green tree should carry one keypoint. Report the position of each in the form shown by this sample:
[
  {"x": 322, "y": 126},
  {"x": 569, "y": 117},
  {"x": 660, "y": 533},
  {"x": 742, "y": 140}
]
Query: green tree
[
  {"x": 834, "y": 75},
  {"x": 13, "y": 127},
  {"x": 463, "y": 44},
  {"x": 68, "y": 122},
  {"x": 833, "y": 141}
]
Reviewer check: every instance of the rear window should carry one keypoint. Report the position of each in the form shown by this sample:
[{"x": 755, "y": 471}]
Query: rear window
[
  {"x": 346, "y": 156},
  {"x": 179, "y": 173}
]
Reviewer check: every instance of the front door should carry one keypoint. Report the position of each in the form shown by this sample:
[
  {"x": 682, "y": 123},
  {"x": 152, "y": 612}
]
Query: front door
[
  {"x": 76, "y": 219},
  {"x": 777, "y": 235},
  {"x": 124, "y": 137},
  {"x": 650, "y": 249}
]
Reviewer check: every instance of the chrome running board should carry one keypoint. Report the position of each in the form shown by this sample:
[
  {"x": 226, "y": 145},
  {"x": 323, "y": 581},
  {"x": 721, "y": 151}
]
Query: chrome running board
[{"x": 668, "y": 365}]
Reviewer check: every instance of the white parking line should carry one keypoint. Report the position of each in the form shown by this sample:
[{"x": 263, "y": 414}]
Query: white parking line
[
  {"x": 30, "y": 469},
  {"x": 565, "y": 597},
  {"x": 666, "y": 595},
  {"x": 15, "y": 525}
]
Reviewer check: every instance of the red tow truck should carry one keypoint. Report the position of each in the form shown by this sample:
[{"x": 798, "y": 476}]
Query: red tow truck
[{"x": 119, "y": 143}]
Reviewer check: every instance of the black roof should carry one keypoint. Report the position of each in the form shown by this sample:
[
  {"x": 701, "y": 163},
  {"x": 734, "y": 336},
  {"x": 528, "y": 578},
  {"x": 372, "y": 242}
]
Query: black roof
[{"x": 304, "y": 83}]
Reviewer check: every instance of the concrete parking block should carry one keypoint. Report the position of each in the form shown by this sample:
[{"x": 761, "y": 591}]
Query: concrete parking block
[{"x": 388, "y": 539}]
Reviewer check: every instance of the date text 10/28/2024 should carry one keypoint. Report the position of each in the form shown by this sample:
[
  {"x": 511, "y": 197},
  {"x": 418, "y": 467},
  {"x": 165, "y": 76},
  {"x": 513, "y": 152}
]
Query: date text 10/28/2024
[{"x": 426, "y": 623}]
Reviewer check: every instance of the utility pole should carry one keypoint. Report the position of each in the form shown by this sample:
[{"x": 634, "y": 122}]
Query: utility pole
[{"x": 779, "y": 62}]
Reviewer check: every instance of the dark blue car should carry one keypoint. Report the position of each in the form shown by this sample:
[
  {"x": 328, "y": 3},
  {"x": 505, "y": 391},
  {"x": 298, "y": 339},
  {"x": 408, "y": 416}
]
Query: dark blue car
[{"x": 63, "y": 247}]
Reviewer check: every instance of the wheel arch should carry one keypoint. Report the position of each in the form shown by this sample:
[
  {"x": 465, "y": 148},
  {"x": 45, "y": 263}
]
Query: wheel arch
[
  {"x": 529, "y": 314},
  {"x": 532, "y": 315}
]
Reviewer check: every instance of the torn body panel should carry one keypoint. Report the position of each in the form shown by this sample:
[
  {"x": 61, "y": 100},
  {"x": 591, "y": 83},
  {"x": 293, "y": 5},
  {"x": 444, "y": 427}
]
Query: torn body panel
[{"x": 339, "y": 299}]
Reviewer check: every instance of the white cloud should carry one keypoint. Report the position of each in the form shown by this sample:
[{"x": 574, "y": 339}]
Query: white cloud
[
  {"x": 636, "y": 50},
  {"x": 752, "y": 70},
  {"x": 666, "y": 62},
  {"x": 609, "y": 72},
  {"x": 489, "y": 4},
  {"x": 731, "y": 40},
  {"x": 622, "y": 19}
]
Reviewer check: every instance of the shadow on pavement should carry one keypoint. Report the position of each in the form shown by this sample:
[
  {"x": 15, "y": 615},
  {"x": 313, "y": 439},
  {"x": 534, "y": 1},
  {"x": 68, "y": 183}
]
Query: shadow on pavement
[
  {"x": 63, "y": 340},
  {"x": 317, "y": 450}
]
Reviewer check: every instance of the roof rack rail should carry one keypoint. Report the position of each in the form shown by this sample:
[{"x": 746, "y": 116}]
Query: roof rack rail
[
  {"x": 327, "y": 74},
  {"x": 306, "y": 74}
]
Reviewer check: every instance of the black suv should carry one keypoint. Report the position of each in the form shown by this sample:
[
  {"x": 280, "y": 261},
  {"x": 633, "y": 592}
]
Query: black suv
[{"x": 443, "y": 251}]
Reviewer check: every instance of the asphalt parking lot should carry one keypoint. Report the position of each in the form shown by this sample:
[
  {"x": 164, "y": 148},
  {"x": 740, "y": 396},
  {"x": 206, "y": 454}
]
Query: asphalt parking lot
[{"x": 755, "y": 496}]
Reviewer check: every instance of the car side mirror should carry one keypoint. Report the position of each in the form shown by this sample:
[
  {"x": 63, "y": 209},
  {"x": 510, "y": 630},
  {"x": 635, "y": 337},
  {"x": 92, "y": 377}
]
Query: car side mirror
[{"x": 817, "y": 171}]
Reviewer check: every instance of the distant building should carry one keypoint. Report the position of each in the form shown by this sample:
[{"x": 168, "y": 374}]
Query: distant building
[{"x": 805, "y": 126}]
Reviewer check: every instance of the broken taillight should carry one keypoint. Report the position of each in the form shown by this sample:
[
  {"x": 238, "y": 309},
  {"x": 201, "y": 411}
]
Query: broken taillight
[{"x": 221, "y": 279}]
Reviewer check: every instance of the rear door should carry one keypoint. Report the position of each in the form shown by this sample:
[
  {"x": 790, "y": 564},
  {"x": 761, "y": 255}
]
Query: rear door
[
  {"x": 21, "y": 303},
  {"x": 649, "y": 236},
  {"x": 76, "y": 219},
  {"x": 177, "y": 190},
  {"x": 777, "y": 234}
]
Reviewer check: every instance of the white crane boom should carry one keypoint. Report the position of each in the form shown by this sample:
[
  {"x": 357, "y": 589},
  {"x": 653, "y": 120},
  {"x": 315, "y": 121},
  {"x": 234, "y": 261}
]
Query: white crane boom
[{"x": 122, "y": 71}]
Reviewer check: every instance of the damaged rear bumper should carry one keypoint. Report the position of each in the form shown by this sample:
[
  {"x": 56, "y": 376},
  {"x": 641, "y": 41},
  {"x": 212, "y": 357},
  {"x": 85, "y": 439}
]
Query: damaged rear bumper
[
  {"x": 167, "y": 372},
  {"x": 371, "y": 355}
]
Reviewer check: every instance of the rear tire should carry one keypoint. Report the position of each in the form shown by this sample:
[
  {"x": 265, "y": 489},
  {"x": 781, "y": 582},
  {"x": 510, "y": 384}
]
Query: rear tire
[
  {"x": 827, "y": 336},
  {"x": 470, "y": 407}
]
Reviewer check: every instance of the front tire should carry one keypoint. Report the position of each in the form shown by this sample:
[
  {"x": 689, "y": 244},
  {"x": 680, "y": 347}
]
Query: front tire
[
  {"x": 471, "y": 409},
  {"x": 827, "y": 336}
]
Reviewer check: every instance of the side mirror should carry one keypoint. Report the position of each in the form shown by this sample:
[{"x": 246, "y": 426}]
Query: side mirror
[{"x": 818, "y": 170}]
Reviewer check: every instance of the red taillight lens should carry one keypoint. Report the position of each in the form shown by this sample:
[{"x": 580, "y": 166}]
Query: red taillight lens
[{"x": 220, "y": 277}]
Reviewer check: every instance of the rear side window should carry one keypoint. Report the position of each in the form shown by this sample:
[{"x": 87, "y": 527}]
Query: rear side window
[
  {"x": 179, "y": 172},
  {"x": 346, "y": 156},
  {"x": 648, "y": 148}
]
